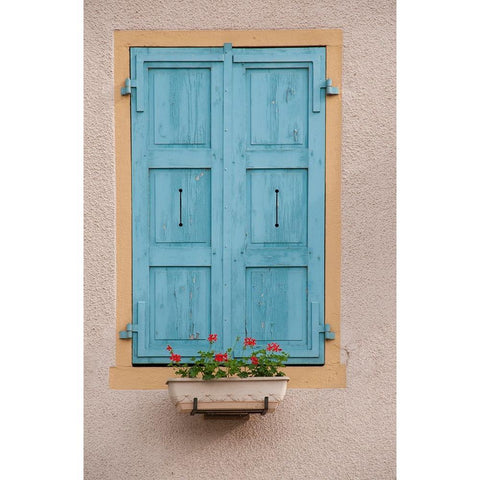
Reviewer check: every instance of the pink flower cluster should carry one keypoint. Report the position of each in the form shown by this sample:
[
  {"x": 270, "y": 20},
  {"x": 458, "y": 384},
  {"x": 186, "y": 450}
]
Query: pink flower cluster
[
  {"x": 173, "y": 356},
  {"x": 221, "y": 357},
  {"x": 274, "y": 347}
]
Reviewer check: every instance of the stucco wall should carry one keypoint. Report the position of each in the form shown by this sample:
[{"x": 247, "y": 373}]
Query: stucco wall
[{"x": 316, "y": 434}]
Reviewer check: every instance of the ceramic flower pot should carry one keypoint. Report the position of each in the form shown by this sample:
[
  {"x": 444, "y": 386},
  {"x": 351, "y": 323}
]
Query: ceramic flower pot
[{"x": 227, "y": 393}]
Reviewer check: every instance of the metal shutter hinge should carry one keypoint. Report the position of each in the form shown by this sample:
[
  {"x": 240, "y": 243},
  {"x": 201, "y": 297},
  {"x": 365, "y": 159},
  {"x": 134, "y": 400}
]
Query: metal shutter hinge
[
  {"x": 128, "y": 332},
  {"x": 129, "y": 84},
  {"x": 326, "y": 330},
  {"x": 329, "y": 89}
]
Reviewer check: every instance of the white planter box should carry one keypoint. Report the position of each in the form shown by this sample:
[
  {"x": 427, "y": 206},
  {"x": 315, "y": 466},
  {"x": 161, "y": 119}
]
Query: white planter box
[{"x": 227, "y": 393}]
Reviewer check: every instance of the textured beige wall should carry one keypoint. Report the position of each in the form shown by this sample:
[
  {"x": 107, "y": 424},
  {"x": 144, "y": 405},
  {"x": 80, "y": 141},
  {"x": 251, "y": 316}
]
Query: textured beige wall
[{"x": 316, "y": 434}]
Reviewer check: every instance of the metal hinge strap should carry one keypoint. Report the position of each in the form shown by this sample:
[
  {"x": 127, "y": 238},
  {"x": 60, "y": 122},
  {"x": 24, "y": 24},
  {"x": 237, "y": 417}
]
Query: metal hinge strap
[
  {"x": 128, "y": 332},
  {"x": 329, "y": 89},
  {"x": 322, "y": 328},
  {"x": 329, "y": 335},
  {"x": 129, "y": 84}
]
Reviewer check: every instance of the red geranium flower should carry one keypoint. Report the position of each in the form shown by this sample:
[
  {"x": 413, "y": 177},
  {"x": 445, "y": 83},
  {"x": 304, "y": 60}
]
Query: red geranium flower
[
  {"x": 254, "y": 360},
  {"x": 275, "y": 347},
  {"x": 249, "y": 342},
  {"x": 169, "y": 348},
  {"x": 175, "y": 357},
  {"x": 212, "y": 337},
  {"x": 221, "y": 357}
]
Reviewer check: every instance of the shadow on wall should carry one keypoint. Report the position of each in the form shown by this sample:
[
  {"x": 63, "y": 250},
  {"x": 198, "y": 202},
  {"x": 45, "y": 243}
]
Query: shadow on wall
[
  {"x": 158, "y": 422},
  {"x": 197, "y": 428}
]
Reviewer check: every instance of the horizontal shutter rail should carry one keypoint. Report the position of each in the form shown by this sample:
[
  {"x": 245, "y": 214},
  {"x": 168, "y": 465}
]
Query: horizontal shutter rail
[
  {"x": 181, "y": 57},
  {"x": 268, "y": 57}
]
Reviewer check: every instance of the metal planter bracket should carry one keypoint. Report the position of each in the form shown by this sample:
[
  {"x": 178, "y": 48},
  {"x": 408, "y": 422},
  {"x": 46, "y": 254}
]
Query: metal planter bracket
[{"x": 224, "y": 412}]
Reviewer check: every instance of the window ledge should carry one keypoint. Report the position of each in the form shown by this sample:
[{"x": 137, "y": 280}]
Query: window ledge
[{"x": 154, "y": 378}]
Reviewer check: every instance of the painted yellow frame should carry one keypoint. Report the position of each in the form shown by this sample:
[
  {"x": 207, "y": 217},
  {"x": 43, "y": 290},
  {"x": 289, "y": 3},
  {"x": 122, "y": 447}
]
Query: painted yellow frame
[{"x": 124, "y": 376}]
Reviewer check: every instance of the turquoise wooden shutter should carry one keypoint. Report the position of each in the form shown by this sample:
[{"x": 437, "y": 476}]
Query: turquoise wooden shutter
[
  {"x": 228, "y": 189},
  {"x": 279, "y": 186},
  {"x": 177, "y": 145}
]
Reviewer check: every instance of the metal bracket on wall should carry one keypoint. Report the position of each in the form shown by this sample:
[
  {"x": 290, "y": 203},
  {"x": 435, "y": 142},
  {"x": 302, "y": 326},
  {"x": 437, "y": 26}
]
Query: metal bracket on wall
[
  {"x": 129, "y": 84},
  {"x": 326, "y": 330},
  {"x": 128, "y": 332},
  {"x": 329, "y": 89},
  {"x": 240, "y": 413}
]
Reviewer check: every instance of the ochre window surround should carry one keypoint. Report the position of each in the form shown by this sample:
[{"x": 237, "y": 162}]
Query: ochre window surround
[{"x": 123, "y": 375}]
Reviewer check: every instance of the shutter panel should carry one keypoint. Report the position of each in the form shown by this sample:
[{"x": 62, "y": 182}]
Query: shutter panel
[
  {"x": 177, "y": 145},
  {"x": 279, "y": 186},
  {"x": 228, "y": 199}
]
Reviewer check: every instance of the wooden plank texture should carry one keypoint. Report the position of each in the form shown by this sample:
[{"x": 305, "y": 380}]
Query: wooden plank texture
[
  {"x": 278, "y": 237},
  {"x": 177, "y": 262}
]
